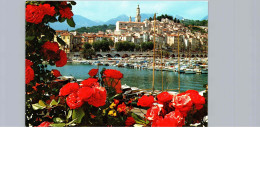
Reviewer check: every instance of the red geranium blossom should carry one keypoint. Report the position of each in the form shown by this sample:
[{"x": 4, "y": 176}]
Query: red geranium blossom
[
  {"x": 63, "y": 59},
  {"x": 51, "y": 46},
  {"x": 111, "y": 73},
  {"x": 98, "y": 98},
  {"x": 73, "y": 101},
  {"x": 146, "y": 101},
  {"x": 55, "y": 72},
  {"x": 90, "y": 82},
  {"x": 48, "y": 9},
  {"x": 66, "y": 12},
  {"x": 35, "y": 87},
  {"x": 45, "y": 124},
  {"x": 196, "y": 99},
  {"x": 121, "y": 108},
  {"x": 154, "y": 112},
  {"x": 93, "y": 72},
  {"x": 164, "y": 97},
  {"x": 28, "y": 63},
  {"x": 35, "y": 14},
  {"x": 182, "y": 102},
  {"x": 173, "y": 119},
  {"x": 68, "y": 89},
  {"x": 116, "y": 101},
  {"x": 29, "y": 74},
  {"x": 85, "y": 93},
  {"x": 130, "y": 121},
  {"x": 113, "y": 83}
]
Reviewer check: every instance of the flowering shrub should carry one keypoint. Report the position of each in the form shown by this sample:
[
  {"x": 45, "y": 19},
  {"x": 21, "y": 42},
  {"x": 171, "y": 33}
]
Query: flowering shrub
[
  {"x": 174, "y": 110},
  {"x": 43, "y": 85}
]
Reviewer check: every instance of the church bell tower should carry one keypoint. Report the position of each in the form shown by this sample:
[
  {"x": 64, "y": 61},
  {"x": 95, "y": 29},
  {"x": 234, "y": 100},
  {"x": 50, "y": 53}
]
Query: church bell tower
[{"x": 138, "y": 16}]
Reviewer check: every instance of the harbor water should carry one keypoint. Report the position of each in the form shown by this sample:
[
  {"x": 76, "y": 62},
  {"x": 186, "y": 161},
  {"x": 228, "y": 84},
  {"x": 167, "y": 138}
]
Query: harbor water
[{"x": 141, "y": 78}]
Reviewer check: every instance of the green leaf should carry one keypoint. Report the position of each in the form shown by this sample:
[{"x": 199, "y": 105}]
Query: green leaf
[
  {"x": 71, "y": 22},
  {"x": 61, "y": 19},
  {"x": 58, "y": 120},
  {"x": 69, "y": 114},
  {"x": 78, "y": 114},
  {"x": 58, "y": 124},
  {"x": 53, "y": 102},
  {"x": 29, "y": 38},
  {"x": 111, "y": 98},
  {"x": 37, "y": 106},
  {"x": 138, "y": 119},
  {"x": 73, "y": 2},
  {"x": 52, "y": 19},
  {"x": 61, "y": 41}
]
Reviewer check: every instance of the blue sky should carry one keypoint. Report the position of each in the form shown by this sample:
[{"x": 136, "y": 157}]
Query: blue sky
[{"x": 105, "y": 10}]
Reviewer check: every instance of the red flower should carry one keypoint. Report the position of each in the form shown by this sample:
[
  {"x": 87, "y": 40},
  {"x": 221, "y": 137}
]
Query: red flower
[
  {"x": 93, "y": 72},
  {"x": 173, "y": 119},
  {"x": 68, "y": 89},
  {"x": 51, "y": 46},
  {"x": 121, "y": 108},
  {"x": 35, "y": 87},
  {"x": 63, "y": 59},
  {"x": 47, "y": 9},
  {"x": 66, "y": 12},
  {"x": 55, "y": 72},
  {"x": 154, "y": 112},
  {"x": 145, "y": 101},
  {"x": 98, "y": 98},
  {"x": 164, "y": 97},
  {"x": 74, "y": 101},
  {"x": 196, "y": 99},
  {"x": 92, "y": 116},
  {"x": 85, "y": 93},
  {"x": 116, "y": 101},
  {"x": 113, "y": 83},
  {"x": 29, "y": 74},
  {"x": 111, "y": 73},
  {"x": 28, "y": 63},
  {"x": 90, "y": 82},
  {"x": 182, "y": 102},
  {"x": 35, "y": 14},
  {"x": 130, "y": 121},
  {"x": 45, "y": 124}
]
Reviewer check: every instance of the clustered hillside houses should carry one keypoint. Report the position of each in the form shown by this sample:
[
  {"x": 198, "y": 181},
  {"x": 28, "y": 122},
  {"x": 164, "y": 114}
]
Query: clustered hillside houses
[{"x": 166, "y": 34}]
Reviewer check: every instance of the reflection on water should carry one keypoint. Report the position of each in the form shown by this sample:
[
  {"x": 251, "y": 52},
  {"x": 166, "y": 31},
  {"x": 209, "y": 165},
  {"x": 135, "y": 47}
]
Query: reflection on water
[{"x": 141, "y": 78}]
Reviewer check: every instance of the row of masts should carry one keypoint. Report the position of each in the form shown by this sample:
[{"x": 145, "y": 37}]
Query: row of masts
[{"x": 161, "y": 55}]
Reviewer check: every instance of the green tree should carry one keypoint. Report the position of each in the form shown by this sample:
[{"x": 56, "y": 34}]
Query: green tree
[
  {"x": 87, "y": 45},
  {"x": 145, "y": 46},
  {"x": 111, "y": 43},
  {"x": 137, "y": 47},
  {"x": 88, "y": 53},
  {"x": 101, "y": 45}
]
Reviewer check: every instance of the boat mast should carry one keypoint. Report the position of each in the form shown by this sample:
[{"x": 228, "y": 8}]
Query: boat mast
[
  {"x": 153, "y": 49},
  {"x": 161, "y": 67},
  {"x": 179, "y": 79}
]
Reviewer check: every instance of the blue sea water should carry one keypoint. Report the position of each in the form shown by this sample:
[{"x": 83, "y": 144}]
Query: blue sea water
[{"x": 141, "y": 78}]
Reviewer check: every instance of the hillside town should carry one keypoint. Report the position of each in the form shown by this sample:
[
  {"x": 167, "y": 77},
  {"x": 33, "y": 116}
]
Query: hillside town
[{"x": 166, "y": 33}]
